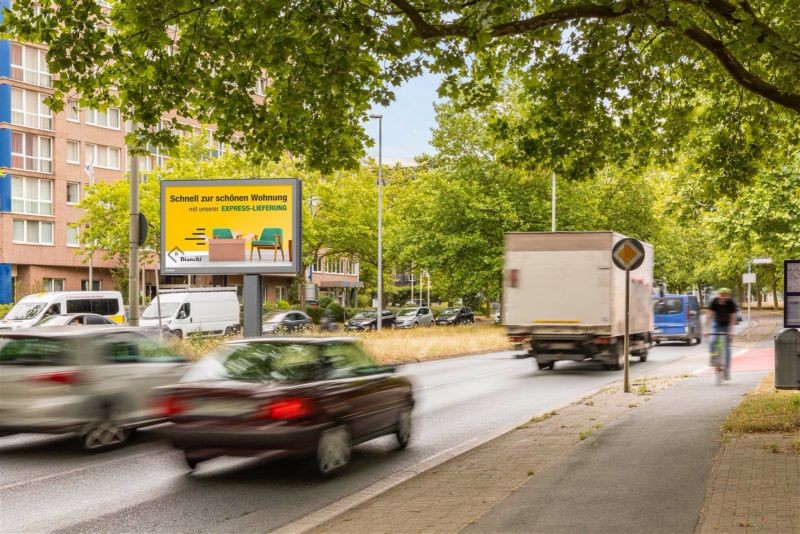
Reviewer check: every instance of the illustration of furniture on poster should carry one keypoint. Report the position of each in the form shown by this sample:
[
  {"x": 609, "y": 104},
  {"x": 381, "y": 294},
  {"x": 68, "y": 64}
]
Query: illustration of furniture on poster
[
  {"x": 226, "y": 245},
  {"x": 270, "y": 239}
]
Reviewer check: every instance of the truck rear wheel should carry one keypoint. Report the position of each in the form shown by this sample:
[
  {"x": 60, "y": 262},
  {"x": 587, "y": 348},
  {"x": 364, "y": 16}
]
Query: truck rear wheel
[{"x": 546, "y": 365}]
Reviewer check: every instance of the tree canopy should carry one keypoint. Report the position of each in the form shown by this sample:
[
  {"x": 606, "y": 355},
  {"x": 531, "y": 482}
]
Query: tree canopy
[{"x": 608, "y": 78}]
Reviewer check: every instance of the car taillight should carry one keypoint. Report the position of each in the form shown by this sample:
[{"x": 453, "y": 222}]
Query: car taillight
[
  {"x": 172, "y": 405},
  {"x": 60, "y": 377},
  {"x": 284, "y": 409},
  {"x": 602, "y": 340}
]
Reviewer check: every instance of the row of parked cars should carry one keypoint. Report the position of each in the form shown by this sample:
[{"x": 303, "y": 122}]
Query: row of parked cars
[
  {"x": 297, "y": 396},
  {"x": 410, "y": 317}
]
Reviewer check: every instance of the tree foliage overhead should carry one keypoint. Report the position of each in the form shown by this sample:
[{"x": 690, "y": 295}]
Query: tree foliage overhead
[{"x": 607, "y": 76}]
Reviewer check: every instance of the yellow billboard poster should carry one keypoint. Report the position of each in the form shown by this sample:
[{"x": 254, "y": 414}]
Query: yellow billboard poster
[{"x": 231, "y": 226}]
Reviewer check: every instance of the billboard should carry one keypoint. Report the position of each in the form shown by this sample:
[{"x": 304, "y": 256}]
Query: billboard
[{"x": 231, "y": 226}]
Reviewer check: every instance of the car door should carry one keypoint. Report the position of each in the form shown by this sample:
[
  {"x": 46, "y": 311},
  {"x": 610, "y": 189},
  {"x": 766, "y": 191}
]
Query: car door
[
  {"x": 374, "y": 400},
  {"x": 131, "y": 366}
]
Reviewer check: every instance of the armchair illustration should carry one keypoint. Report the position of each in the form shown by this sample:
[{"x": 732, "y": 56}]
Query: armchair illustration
[
  {"x": 224, "y": 233},
  {"x": 270, "y": 239}
]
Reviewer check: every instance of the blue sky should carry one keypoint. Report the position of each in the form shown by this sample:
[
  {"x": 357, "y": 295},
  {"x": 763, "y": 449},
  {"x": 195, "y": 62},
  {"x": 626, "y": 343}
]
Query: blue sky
[{"x": 407, "y": 121}]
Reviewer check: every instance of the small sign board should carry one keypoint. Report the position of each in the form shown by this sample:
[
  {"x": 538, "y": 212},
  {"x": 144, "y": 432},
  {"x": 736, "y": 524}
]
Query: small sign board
[
  {"x": 749, "y": 278},
  {"x": 791, "y": 294},
  {"x": 762, "y": 261},
  {"x": 628, "y": 254}
]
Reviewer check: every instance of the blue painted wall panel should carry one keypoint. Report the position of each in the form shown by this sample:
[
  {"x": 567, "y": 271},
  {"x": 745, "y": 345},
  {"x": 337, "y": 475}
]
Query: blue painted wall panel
[
  {"x": 5, "y": 147},
  {"x": 5, "y": 58},
  {"x": 5, "y": 192},
  {"x": 5, "y": 102},
  {"x": 5, "y": 283}
]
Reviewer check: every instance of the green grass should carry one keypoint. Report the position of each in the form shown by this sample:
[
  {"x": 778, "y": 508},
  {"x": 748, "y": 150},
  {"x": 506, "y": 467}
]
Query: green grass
[
  {"x": 539, "y": 419},
  {"x": 765, "y": 410}
]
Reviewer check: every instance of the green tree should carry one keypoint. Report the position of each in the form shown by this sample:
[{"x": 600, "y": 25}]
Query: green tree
[{"x": 605, "y": 78}]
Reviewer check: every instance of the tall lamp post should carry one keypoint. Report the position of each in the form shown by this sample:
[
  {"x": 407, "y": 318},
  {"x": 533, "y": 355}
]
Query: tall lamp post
[{"x": 379, "y": 320}]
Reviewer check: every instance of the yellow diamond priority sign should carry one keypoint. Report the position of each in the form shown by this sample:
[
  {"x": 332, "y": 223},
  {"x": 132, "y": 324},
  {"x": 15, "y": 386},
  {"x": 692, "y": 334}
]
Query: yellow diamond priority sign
[{"x": 628, "y": 254}]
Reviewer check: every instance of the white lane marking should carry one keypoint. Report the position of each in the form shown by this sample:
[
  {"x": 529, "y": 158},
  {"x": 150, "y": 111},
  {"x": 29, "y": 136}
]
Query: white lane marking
[{"x": 80, "y": 469}]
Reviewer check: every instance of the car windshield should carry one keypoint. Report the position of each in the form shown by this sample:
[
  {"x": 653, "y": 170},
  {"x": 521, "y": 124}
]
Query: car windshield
[
  {"x": 274, "y": 317},
  {"x": 668, "y": 306},
  {"x": 362, "y": 316},
  {"x": 260, "y": 361},
  {"x": 448, "y": 312},
  {"x": 407, "y": 312},
  {"x": 24, "y": 311},
  {"x": 168, "y": 309},
  {"x": 55, "y": 320}
]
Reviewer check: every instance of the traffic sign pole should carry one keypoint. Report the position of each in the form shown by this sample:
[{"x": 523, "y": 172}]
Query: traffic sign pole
[{"x": 626, "y": 345}]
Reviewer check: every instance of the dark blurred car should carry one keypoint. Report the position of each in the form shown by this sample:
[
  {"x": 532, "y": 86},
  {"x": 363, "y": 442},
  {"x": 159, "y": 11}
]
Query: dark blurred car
[
  {"x": 453, "y": 316},
  {"x": 308, "y": 396},
  {"x": 69, "y": 319},
  {"x": 284, "y": 322},
  {"x": 93, "y": 381},
  {"x": 367, "y": 320}
]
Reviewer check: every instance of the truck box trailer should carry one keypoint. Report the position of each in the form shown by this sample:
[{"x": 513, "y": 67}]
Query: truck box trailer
[{"x": 564, "y": 295}]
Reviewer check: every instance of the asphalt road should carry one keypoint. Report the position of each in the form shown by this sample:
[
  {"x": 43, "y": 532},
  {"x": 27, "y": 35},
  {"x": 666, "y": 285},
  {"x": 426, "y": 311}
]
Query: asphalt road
[{"x": 48, "y": 484}]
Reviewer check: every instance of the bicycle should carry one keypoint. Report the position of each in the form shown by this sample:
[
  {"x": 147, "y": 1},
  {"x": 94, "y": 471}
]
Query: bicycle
[{"x": 718, "y": 355}]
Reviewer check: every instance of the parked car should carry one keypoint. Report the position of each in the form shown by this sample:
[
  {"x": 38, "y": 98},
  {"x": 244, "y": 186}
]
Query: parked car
[
  {"x": 93, "y": 381},
  {"x": 367, "y": 320},
  {"x": 454, "y": 316},
  {"x": 677, "y": 318},
  {"x": 200, "y": 310},
  {"x": 283, "y": 322},
  {"x": 70, "y": 319},
  {"x": 414, "y": 317},
  {"x": 307, "y": 396}
]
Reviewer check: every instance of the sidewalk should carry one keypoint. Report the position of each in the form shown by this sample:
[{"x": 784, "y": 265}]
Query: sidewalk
[{"x": 613, "y": 462}]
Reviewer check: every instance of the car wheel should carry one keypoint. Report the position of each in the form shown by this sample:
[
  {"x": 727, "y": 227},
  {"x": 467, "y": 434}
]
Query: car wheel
[
  {"x": 416, "y": 324},
  {"x": 546, "y": 365},
  {"x": 229, "y": 331},
  {"x": 403, "y": 433},
  {"x": 177, "y": 333},
  {"x": 333, "y": 450},
  {"x": 103, "y": 434},
  {"x": 658, "y": 342}
]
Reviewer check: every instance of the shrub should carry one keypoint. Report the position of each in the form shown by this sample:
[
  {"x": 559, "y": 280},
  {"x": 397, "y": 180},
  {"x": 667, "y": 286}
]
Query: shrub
[
  {"x": 314, "y": 313},
  {"x": 268, "y": 307},
  {"x": 324, "y": 302},
  {"x": 282, "y": 305},
  {"x": 4, "y": 309},
  {"x": 336, "y": 310}
]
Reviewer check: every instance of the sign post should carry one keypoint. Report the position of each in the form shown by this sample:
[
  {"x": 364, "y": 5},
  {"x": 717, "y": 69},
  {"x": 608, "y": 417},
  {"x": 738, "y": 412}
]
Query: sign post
[{"x": 628, "y": 254}]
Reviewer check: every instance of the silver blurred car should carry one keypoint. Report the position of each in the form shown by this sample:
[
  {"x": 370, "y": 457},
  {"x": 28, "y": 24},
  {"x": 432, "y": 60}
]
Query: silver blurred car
[
  {"x": 92, "y": 381},
  {"x": 414, "y": 317}
]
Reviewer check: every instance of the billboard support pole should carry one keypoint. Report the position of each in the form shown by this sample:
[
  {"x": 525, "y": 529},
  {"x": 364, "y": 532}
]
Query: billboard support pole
[
  {"x": 252, "y": 295},
  {"x": 133, "y": 259}
]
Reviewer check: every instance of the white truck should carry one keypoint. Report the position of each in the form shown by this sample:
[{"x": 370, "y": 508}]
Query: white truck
[{"x": 564, "y": 295}]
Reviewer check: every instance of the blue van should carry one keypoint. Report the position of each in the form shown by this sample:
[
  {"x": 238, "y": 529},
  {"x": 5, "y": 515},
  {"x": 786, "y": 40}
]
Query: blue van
[{"x": 677, "y": 318}]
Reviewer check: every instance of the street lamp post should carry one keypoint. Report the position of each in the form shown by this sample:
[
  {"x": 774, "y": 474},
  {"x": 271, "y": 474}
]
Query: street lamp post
[{"x": 379, "y": 320}]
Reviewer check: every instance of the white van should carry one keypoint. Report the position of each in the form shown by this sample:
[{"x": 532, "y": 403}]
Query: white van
[
  {"x": 207, "y": 311},
  {"x": 32, "y": 308}
]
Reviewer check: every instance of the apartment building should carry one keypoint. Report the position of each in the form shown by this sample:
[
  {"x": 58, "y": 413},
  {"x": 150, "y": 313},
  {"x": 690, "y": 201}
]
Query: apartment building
[{"x": 336, "y": 277}]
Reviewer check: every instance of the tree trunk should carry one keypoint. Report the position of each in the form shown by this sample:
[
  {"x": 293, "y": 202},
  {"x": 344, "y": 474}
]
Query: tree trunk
[
  {"x": 758, "y": 295},
  {"x": 700, "y": 295},
  {"x": 774, "y": 289}
]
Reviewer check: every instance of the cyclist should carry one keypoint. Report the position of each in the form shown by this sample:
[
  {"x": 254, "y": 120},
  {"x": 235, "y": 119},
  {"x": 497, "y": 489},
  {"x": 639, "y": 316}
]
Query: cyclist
[{"x": 721, "y": 317}]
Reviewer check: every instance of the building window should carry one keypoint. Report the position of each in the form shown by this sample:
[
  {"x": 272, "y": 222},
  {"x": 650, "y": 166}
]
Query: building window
[
  {"x": 73, "y": 111},
  {"x": 36, "y": 232},
  {"x": 105, "y": 119},
  {"x": 74, "y": 152},
  {"x": 32, "y": 196},
  {"x": 73, "y": 236},
  {"x": 216, "y": 148},
  {"x": 96, "y": 285},
  {"x": 261, "y": 86},
  {"x": 352, "y": 268},
  {"x": 53, "y": 284},
  {"x": 282, "y": 293},
  {"x": 29, "y": 65},
  {"x": 31, "y": 152},
  {"x": 105, "y": 157},
  {"x": 73, "y": 192},
  {"x": 28, "y": 109},
  {"x": 334, "y": 265}
]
